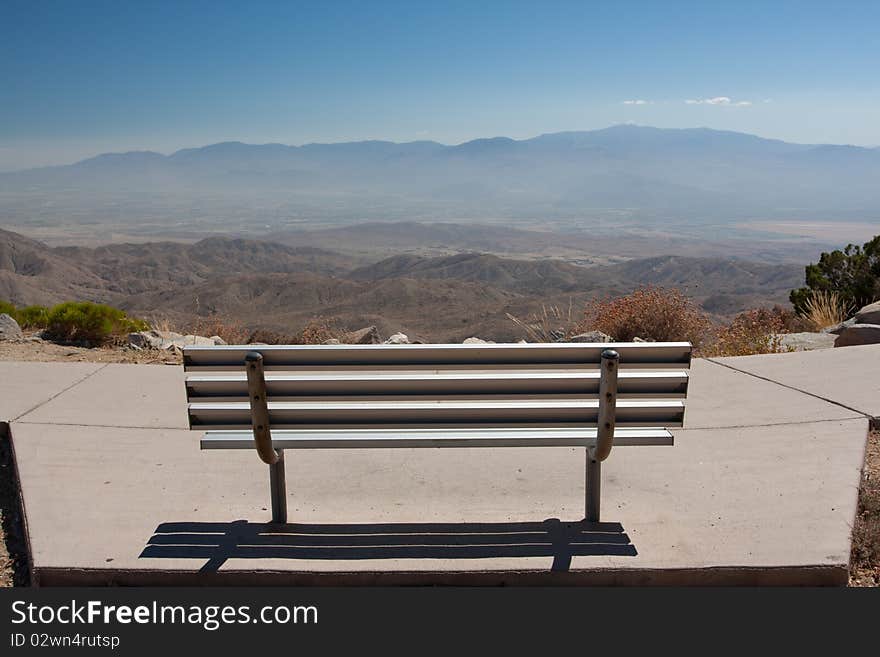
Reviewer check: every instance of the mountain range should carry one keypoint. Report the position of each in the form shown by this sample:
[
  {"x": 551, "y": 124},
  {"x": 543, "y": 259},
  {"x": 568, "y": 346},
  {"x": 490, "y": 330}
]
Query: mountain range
[{"x": 695, "y": 174}]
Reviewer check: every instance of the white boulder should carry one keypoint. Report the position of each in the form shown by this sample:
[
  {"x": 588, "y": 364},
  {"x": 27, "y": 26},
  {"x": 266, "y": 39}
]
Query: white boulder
[{"x": 9, "y": 328}]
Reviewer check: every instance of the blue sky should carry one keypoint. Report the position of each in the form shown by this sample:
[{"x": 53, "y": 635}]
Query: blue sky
[{"x": 79, "y": 78}]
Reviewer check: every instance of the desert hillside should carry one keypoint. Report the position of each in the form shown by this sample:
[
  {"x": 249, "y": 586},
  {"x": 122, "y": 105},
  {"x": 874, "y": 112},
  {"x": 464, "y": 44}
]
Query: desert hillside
[{"x": 281, "y": 287}]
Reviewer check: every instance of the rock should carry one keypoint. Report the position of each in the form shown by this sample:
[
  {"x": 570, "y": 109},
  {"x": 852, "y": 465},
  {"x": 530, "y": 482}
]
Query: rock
[
  {"x": 859, "y": 334},
  {"x": 367, "y": 335},
  {"x": 217, "y": 340},
  {"x": 397, "y": 338},
  {"x": 166, "y": 340},
  {"x": 144, "y": 340},
  {"x": 870, "y": 314},
  {"x": 476, "y": 341},
  {"x": 166, "y": 335},
  {"x": 591, "y": 336},
  {"x": 9, "y": 328},
  {"x": 332, "y": 341},
  {"x": 806, "y": 341},
  {"x": 837, "y": 329},
  {"x": 556, "y": 335},
  {"x": 195, "y": 341},
  {"x": 638, "y": 339}
]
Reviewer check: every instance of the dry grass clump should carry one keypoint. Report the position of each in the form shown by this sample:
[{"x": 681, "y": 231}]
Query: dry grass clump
[
  {"x": 754, "y": 331},
  {"x": 825, "y": 308},
  {"x": 232, "y": 331},
  {"x": 319, "y": 331},
  {"x": 650, "y": 313},
  {"x": 265, "y": 336},
  {"x": 550, "y": 325}
]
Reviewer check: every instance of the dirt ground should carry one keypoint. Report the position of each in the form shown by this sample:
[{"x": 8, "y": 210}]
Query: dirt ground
[
  {"x": 865, "y": 565},
  {"x": 13, "y": 548},
  {"x": 40, "y": 350}
]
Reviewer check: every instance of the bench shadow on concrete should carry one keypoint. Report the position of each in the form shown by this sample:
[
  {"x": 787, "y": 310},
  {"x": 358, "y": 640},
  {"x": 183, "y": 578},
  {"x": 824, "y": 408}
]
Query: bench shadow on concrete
[{"x": 216, "y": 542}]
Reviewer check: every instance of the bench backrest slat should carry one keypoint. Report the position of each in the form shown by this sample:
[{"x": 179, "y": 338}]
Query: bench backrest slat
[
  {"x": 638, "y": 354},
  {"x": 351, "y": 386},
  {"x": 354, "y": 385},
  {"x": 289, "y": 415}
]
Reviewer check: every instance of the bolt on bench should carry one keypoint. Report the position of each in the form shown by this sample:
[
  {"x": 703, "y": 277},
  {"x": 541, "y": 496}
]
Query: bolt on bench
[{"x": 278, "y": 397}]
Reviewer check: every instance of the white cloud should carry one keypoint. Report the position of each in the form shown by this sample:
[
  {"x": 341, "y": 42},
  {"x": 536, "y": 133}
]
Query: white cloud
[
  {"x": 635, "y": 102},
  {"x": 718, "y": 100}
]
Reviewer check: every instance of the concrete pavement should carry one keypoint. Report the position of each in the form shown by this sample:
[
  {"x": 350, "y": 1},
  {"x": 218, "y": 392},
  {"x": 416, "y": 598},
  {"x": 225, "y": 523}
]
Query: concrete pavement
[
  {"x": 26, "y": 386},
  {"x": 760, "y": 487},
  {"x": 847, "y": 376}
]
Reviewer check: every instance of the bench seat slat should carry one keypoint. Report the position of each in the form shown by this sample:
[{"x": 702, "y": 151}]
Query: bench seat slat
[
  {"x": 667, "y": 413},
  {"x": 672, "y": 384},
  {"x": 482, "y": 437}
]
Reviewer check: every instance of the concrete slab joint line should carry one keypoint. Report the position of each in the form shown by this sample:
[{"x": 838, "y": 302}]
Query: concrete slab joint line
[
  {"x": 58, "y": 394},
  {"x": 872, "y": 420}
]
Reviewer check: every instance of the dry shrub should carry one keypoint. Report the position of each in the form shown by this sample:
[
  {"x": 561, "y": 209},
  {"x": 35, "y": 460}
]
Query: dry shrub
[
  {"x": 651, "y": 313},
  {"x": 791, "y": 321},
  {"x": 232, "y": 331},
  {"x": 825, "y": 308},
  {"x": 754, "y": 331},
  {"x": 550, "y": 325},
  {"x": 265, "y": 336},
  {"x": 319, "y": 331}
]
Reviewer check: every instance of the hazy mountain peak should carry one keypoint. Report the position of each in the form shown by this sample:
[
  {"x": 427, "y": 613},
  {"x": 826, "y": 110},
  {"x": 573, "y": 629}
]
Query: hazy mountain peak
[{"x": 690, "y": 173}]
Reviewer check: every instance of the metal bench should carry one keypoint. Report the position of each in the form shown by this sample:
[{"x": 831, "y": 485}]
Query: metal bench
[{"x": 277, "y": 398}]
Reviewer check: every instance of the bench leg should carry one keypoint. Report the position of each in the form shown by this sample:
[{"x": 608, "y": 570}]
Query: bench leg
[
  {"x": 593, "y": 487},
  {"x": 278, "y": 489}
]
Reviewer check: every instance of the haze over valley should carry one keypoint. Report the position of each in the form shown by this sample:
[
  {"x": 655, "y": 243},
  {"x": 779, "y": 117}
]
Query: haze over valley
[{"x": 624, "y": 182}]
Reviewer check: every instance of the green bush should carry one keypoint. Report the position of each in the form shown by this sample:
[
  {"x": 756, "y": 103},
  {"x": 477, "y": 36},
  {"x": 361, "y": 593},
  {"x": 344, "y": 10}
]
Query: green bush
[
  {"x": 32, "y": 317},
  {"x": 7, "y": 308},
  {"x": 854, "y": 274},
  {"x": 89, "y": 323}
]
